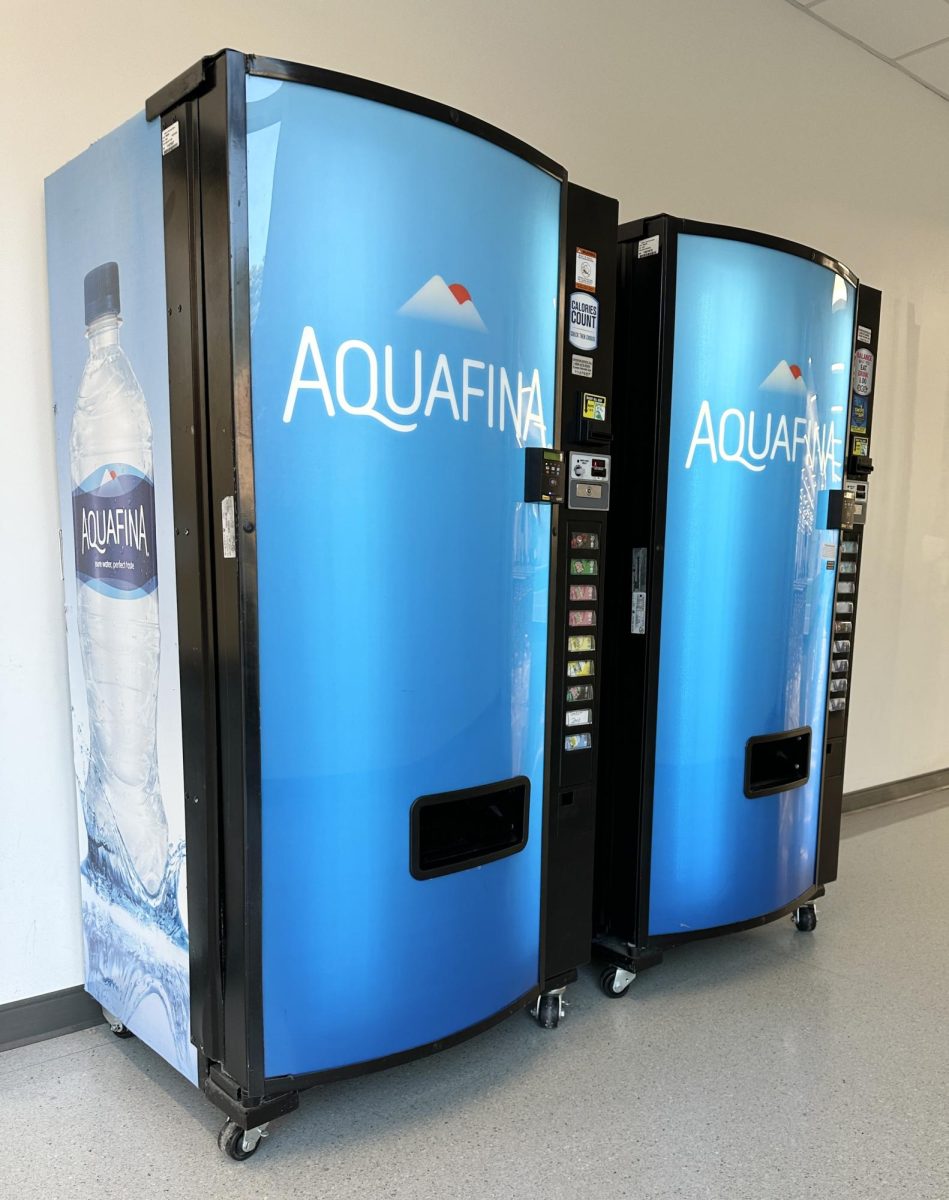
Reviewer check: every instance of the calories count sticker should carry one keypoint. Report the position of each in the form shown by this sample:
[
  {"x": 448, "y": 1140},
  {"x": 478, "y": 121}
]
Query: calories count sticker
[
  {"x": 584, "y": 321},
  {"x": 114, "y": 526}
]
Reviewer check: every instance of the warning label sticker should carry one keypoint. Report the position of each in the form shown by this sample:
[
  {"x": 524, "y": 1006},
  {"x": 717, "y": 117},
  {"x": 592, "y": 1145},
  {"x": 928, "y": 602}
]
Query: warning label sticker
[
  {"x": 638, "y": 616},
  {"x": 170, "y": 138},
  {"x": 582, "y": 365},
  {"x": 585, "y": 277},
  {"x": 648, "y": 246}
]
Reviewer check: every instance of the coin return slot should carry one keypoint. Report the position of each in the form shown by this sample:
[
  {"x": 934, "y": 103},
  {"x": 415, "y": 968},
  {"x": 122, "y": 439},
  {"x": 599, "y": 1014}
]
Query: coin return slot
[
  {"x": 777, "y": 762},
  {"x": 452, "y": 831}
]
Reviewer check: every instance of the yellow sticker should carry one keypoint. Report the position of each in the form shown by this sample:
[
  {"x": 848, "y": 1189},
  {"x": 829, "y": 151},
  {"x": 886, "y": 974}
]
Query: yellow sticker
[{"x": 594, "y": 407}]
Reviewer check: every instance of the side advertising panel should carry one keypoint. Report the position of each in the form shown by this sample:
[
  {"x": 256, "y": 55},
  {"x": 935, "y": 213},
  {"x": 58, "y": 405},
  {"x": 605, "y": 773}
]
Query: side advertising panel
[{"x": 110, "y": 381}]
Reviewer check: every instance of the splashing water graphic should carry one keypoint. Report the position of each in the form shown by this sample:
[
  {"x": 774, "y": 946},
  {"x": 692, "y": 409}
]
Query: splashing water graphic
[{"x": 135, "y": 969}]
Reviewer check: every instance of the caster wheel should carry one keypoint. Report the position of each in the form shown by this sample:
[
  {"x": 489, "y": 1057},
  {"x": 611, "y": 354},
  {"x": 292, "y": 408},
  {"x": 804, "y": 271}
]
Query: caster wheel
[
  {"x": 238, "y": 1144},
  {"x": 548, "y": 1012},
  {"x": 120, "y": 1030},
  {"x": 614, "y": 987},
  {"x": 805, "y": 918}
]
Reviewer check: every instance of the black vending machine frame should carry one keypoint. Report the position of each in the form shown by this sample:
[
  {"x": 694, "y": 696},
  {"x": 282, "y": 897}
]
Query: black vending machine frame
[
  {"x": 645, "y": 324},
  {"x": 570, "y": 815},
  {"x": 204, "y": 125},
  {"x": 858, "y": 469}
]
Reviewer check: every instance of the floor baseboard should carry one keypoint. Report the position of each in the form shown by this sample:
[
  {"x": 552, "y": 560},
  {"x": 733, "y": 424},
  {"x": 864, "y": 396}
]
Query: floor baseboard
[
  {"x": 40, "y": 1017},
  {"x": 899, "y": 789}
]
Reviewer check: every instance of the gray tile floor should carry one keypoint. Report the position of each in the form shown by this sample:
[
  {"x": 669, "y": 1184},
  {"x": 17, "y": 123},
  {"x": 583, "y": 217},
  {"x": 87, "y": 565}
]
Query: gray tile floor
[{"x": 770, "y": 1064}]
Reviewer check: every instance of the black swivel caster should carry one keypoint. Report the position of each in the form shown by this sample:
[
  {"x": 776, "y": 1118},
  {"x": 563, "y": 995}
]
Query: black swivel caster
[
  {"x": 616, "y": 982},
  {"x": 805, "y": 918},
  {"x": 120, "y": 1030},
  {"x": 238, "y": 1143},
  {"x": 549, "y": 1009}
]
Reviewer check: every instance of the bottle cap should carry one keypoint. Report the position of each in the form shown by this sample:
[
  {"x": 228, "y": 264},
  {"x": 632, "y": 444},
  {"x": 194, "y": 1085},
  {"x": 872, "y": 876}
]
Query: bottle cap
[{"x": 102, "y": 291}]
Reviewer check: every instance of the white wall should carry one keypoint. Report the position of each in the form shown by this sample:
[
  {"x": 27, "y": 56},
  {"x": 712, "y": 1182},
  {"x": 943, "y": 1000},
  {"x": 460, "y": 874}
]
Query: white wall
[{"x": 741, "y": 111}]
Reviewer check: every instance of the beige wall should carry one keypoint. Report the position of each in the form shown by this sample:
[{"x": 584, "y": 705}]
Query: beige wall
[{"x": 740, "y": 111}]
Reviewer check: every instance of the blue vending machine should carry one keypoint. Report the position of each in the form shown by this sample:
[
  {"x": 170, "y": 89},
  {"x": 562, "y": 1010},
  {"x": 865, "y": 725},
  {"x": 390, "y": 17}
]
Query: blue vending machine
[
  {"x": 333, "y": 618},
  {"x": 742, "y": 472}
]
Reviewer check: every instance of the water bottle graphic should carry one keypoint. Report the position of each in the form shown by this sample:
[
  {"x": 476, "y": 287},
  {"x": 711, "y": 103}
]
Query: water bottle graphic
[{"x": 117, "y": 617}]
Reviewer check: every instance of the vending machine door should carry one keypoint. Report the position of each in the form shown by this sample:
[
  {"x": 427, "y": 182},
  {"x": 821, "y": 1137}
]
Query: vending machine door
[
  {"x": 756, "y": 443},
  {"x": 404, "y": 316}
]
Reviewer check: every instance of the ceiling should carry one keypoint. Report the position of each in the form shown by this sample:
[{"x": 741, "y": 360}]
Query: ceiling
[{"x": 911, "y": 35}]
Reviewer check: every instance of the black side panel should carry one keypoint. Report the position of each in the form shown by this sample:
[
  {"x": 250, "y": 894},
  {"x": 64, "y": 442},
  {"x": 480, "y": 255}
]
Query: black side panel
[
  {"x": 571, "y": 812},
  {"x": 194, "y": 567},
  {"x": 858, "y": 469},
  {"x": 630, "y": 669},
  {"x": 222, "y": 123},
  {"x": 209, "y": 356}
]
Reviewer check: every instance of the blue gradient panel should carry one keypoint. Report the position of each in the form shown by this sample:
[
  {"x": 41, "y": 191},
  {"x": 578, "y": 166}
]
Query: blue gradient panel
[
  {"x": 404, "y": 283},
  {"x": 759, "y": 403}
]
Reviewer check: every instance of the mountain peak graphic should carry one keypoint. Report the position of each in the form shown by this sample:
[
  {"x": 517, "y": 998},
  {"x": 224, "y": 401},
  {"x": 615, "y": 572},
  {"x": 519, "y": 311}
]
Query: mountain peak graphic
[
  {"x": 447, "y": 303},
  {"x": 786, "y": 377}
]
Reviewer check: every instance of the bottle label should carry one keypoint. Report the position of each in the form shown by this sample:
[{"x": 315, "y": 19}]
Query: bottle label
[{"x": 114, "y": 524}]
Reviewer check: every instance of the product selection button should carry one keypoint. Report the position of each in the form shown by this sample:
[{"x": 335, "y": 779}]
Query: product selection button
[
  {"x": 577, "y": 741},
  {"x": 579, "y": 716},
  {"x": 579, "y": 667}
]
